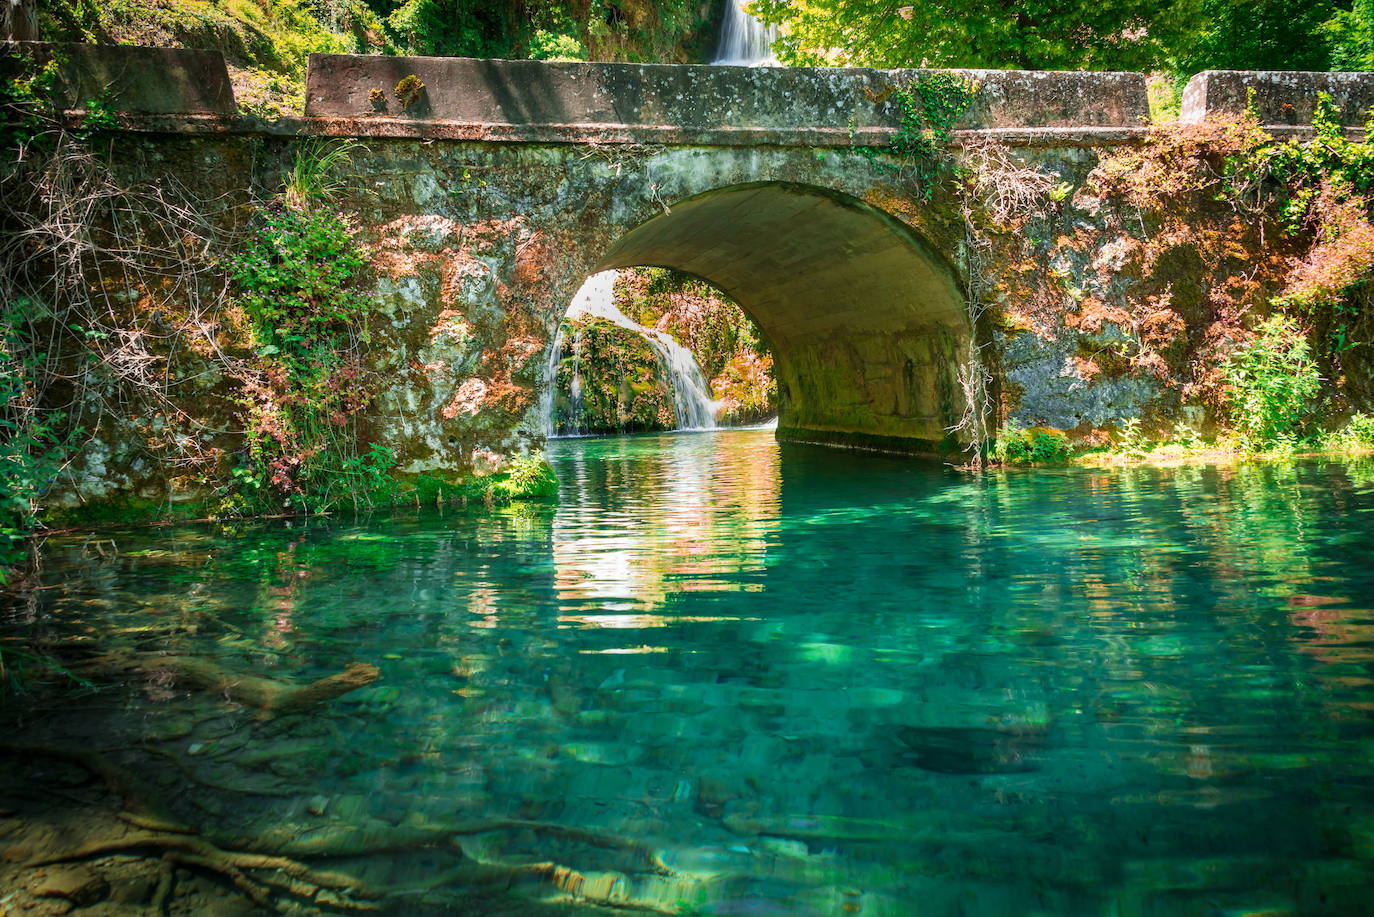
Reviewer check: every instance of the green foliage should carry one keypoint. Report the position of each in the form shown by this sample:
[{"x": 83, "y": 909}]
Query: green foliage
[
  {"x": 1031, "y": 446},
  {"x": 299, "y": 283},
  {"x": 1252, "y": 35},
  {"x": 1356, "y": 436},
  {"x": 1325, "y": 189},
  {"x": 551, "y": 46},
  {"x": 268, "y": 42},
  {"x": 297, "y": 280},
  {"x": 26, "y": 110},
  {"x": 527, "y": 477},
  {"x": 1272, "y": 384},
  {"x": 1349, "y": 34},
  {"x": 1180, "y": 36},
  {"x": 662, "y": 32},
  {"x": 620, "y": 379},
  {"x": 314, "y": 173},
  {"x": 927, "y": 109},
  {"x": 724, "y": 340},
  {"x": 32, "y": 442},
  {"x": 1303, "y": 167},
  {"x": 1030, "y": 35}
]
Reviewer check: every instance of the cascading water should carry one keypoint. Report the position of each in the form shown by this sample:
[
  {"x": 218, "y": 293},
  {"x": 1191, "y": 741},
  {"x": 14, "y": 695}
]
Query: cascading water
[
  {"x": 744, "y": 41},
  {"x": 575, "y": 387},
  {"x": 692, "y": 402}
]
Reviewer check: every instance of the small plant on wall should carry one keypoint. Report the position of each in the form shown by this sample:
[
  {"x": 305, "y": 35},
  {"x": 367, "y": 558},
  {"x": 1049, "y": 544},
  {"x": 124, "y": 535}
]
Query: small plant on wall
[
  {"x": 410, "y": 91},
  {"x": 301, "y": 304}
]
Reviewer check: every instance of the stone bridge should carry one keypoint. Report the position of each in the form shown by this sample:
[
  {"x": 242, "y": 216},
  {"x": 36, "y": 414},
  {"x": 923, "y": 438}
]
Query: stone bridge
[{"x": 491, "y": 194}]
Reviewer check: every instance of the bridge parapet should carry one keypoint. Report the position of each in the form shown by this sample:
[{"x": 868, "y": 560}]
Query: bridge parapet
[
  {"x": 183, "y": 90},
  {"x": 130, "y": 78},
  {"x": 542, "y": 101},
  {"x": 1282, "y": 99}
]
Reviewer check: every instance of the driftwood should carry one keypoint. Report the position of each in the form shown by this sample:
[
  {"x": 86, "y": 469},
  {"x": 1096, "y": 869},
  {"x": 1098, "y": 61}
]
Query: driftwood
[{"x": 270, "y": 697}]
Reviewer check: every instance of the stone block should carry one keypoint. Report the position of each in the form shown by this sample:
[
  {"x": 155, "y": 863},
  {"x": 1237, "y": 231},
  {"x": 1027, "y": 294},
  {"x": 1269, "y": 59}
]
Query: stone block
[
  {"x": 133, "y": 79},
  {"x": 697, "y": 99},
  {"x": 1282, "y": 98}
]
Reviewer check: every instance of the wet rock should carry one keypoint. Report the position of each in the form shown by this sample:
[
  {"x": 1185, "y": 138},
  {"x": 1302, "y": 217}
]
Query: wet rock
[
  {"x": 317, "y": 805},
  {"x": 77, "y": 884}
]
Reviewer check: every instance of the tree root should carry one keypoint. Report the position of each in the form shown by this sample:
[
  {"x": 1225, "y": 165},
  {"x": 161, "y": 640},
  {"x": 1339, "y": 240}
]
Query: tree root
[
  {"x": 165, "y": 880},
  {"x": 255, "y": 865},
  {"x": 352, "y": 840},
  {"x": 291, "y": 875},
  {"x": 270, "y": 697}
]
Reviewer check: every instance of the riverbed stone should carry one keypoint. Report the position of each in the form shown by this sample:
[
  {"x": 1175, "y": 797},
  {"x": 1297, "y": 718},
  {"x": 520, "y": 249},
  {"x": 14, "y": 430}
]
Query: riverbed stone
[{"x": 77, "y": 884}]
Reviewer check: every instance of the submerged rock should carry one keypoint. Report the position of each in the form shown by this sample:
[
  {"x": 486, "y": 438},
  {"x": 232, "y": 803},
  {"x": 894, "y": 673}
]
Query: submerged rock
[
  {"x": 971, "y": 750},
  {"x": 77, "y": 884}
]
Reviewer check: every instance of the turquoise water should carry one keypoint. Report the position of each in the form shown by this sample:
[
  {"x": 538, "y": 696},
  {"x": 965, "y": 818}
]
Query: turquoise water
[{"x": 782, "y": 680}]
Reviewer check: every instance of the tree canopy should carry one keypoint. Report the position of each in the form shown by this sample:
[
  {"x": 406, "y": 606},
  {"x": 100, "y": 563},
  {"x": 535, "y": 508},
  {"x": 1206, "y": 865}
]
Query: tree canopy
[{"x": 1180, "y": 35}]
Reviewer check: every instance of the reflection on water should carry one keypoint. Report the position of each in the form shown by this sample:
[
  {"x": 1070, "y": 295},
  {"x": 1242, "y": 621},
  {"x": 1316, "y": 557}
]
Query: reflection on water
[
  {"x": 810, "y": 681},
  {"x": 643, "y": 518}
]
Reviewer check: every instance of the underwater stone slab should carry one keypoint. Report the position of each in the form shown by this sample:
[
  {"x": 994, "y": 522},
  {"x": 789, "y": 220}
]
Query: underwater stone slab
[
  {"x": 535, "y": 94},
  {"x": 135, "y": 79},
  {"x": 1282, "y": 98}
]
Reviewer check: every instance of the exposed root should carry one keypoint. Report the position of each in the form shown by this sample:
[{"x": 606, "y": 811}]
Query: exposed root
[
  {"x": 270, "y": 697},
  {"x": 296, "y": 877},
  {"x": 260, "y": 864},
  {"x": 165, "y": 881},
  {"x": 351, "y": 840}
]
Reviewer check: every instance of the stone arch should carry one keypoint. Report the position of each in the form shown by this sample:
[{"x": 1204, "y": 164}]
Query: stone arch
[{"x": 867, "y": 321}]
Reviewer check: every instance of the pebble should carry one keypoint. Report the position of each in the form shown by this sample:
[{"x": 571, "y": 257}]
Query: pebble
[{"x": 317, "y": 805}]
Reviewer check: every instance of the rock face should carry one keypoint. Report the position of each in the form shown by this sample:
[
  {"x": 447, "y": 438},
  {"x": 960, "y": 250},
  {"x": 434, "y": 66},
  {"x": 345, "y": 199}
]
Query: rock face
[
  {"x": 609, "y": 380},
  {"x": 883, "y": 289}
]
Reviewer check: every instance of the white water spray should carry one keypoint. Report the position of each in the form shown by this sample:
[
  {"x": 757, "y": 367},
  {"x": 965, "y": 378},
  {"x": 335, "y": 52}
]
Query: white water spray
[
  {"x": 692, "y": 403},
  {"x": 744, "y": 41}
]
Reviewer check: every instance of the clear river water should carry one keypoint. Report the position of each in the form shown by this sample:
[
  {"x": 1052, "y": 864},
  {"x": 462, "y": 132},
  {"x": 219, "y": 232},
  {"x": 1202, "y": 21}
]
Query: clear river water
[{"x": 724, "y": 676}]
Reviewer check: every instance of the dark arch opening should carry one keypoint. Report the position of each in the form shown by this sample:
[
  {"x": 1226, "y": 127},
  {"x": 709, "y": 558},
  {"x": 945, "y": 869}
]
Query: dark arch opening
[{"x": 866, "y": 321}]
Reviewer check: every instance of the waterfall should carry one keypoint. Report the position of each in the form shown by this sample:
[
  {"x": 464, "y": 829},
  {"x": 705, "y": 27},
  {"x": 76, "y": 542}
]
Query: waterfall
[
  {"x": 575, "y": 387},
  {"x": 744, "y": 41},
  {"x": 692, "y": 402}
]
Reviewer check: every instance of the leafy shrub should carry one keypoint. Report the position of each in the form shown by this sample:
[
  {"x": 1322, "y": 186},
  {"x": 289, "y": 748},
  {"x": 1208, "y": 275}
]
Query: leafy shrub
[
  {"x": 528, "y": 477},
  {"x": 1357, "y": 435},
  {"x": 297, "y": 281},
  {"x": 299, "y": 285},
  {"x": 1272, "y": 383},
  {"x": 31, "y": 446},
  {"x": 1031, "y": 446}
]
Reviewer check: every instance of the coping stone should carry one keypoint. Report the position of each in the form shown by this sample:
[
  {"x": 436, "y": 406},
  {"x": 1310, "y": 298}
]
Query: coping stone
[
  {"x": 536, "y": 94},
  {"x": 1283, "y": 98},
  {"x": 134, "y": 79}
]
